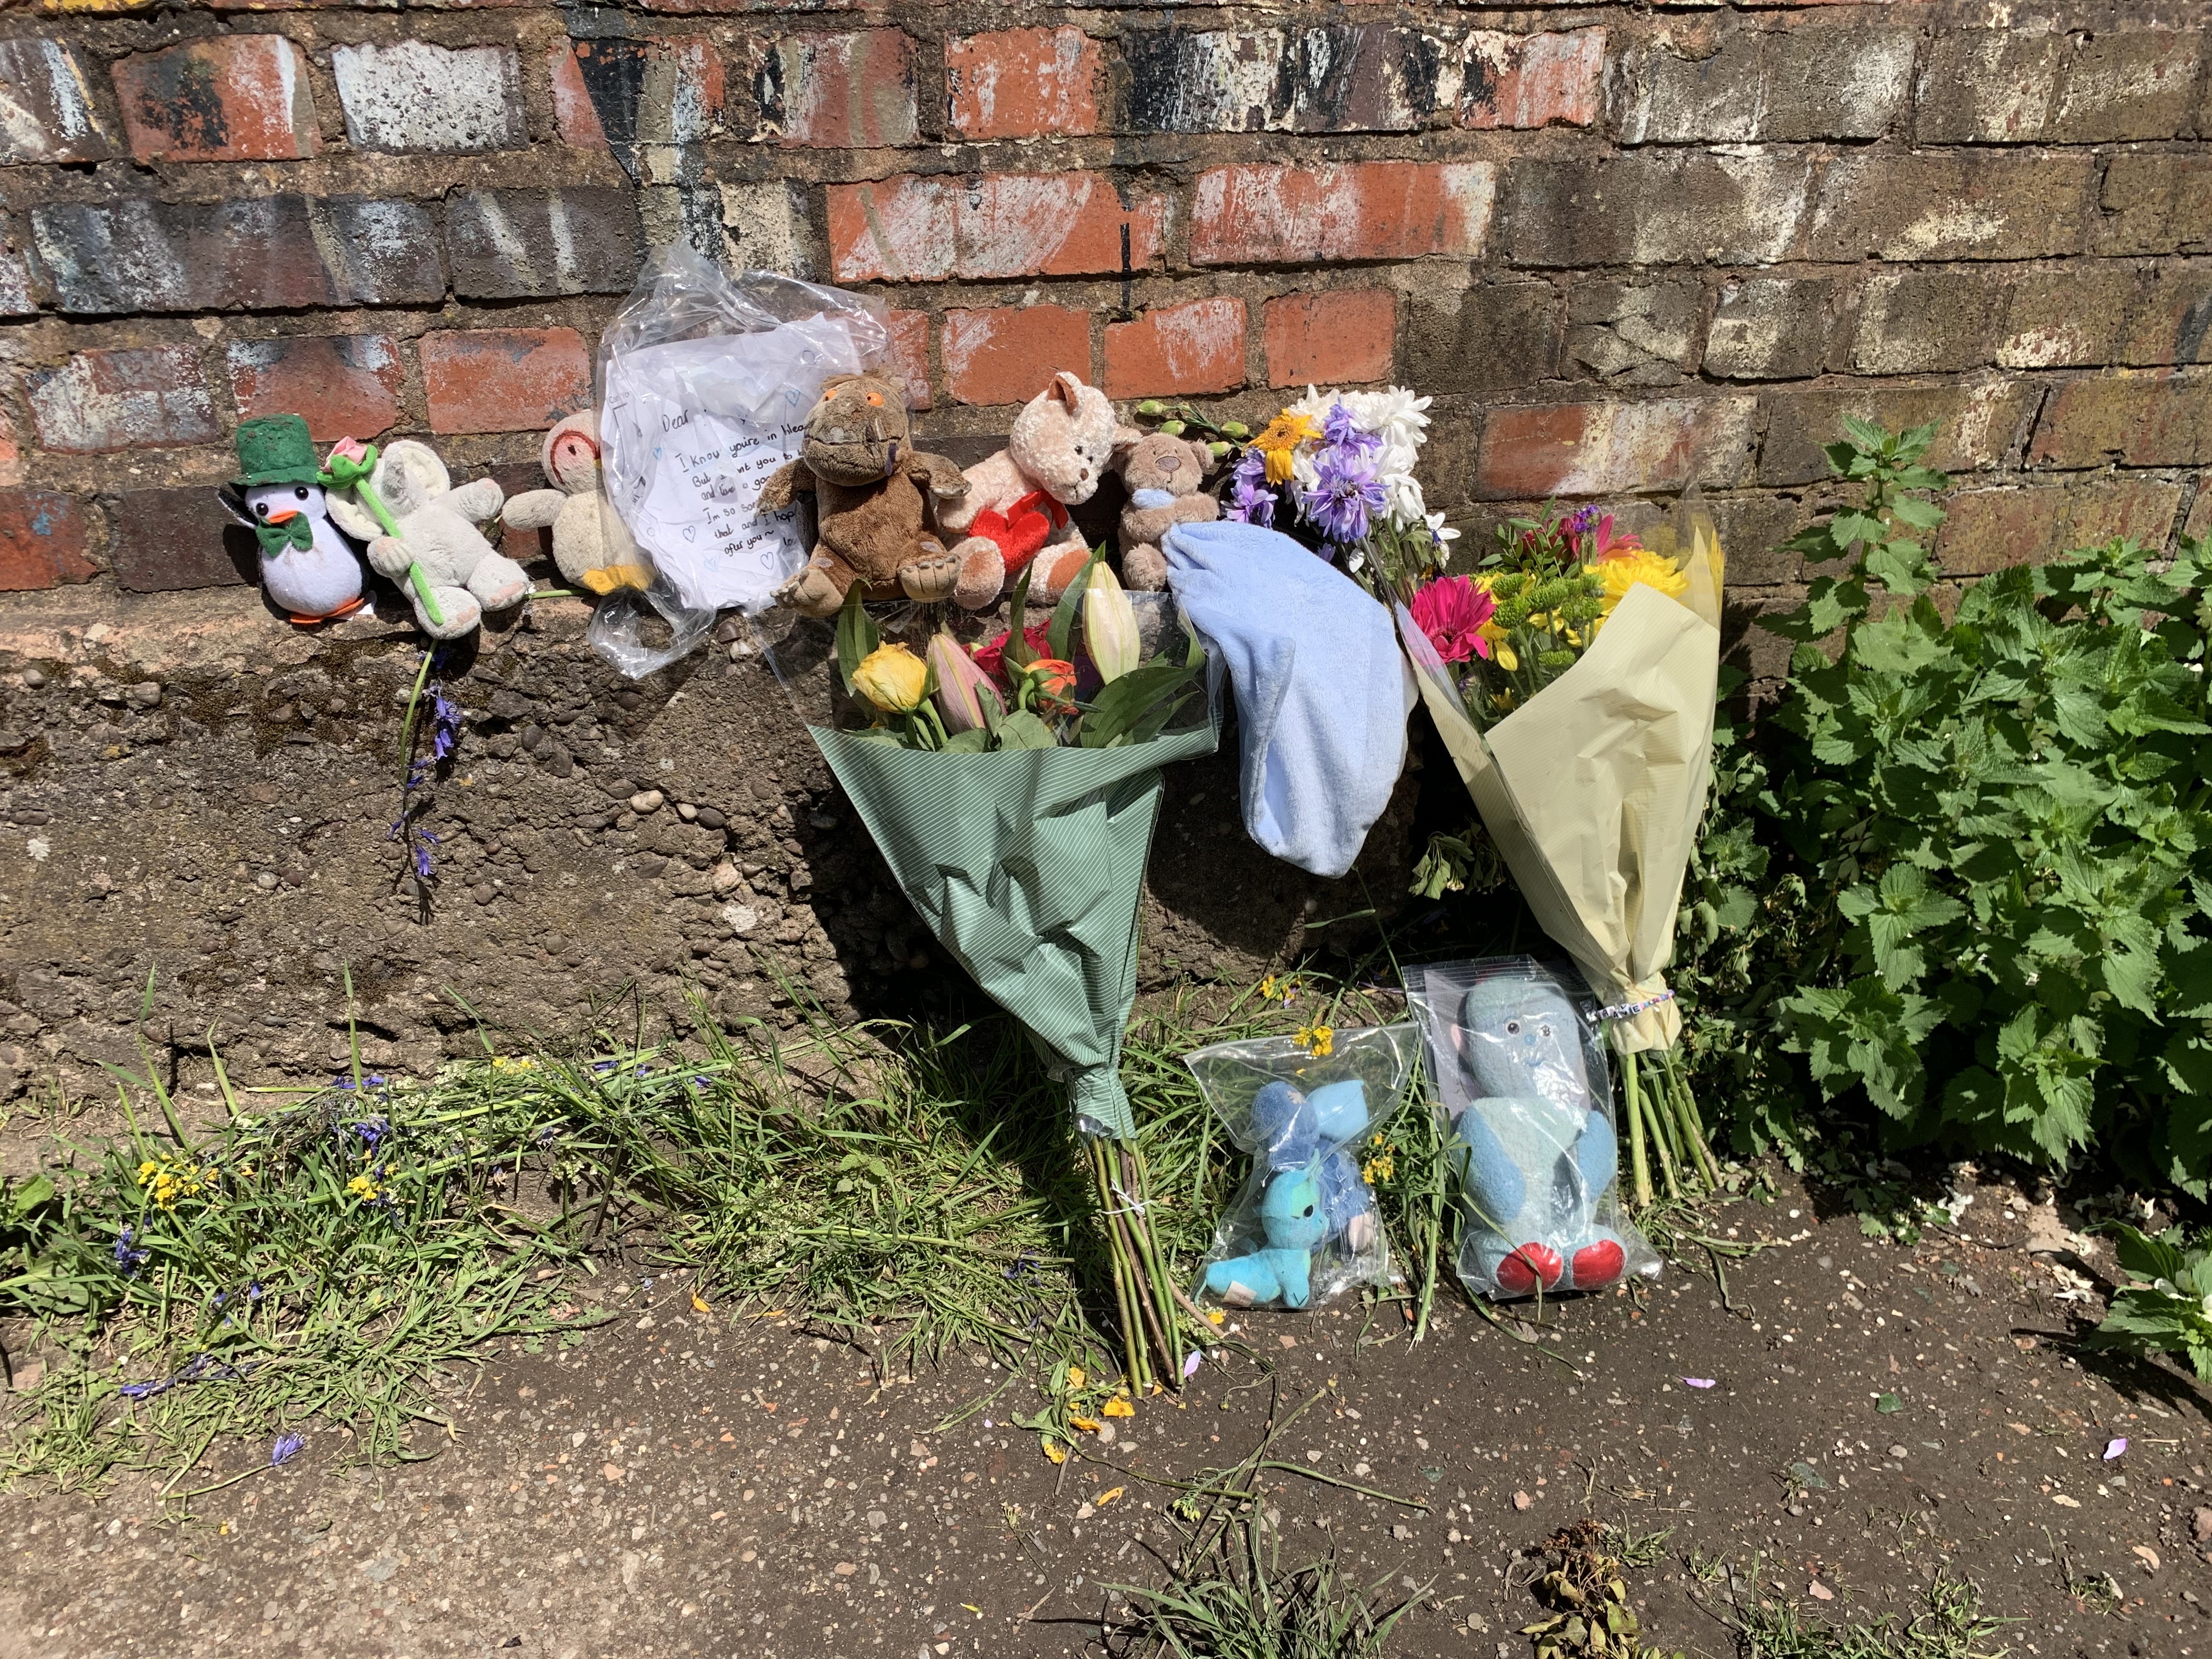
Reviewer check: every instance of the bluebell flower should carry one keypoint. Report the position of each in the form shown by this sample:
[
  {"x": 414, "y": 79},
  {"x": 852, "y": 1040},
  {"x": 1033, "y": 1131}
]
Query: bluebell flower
[
  {"x": 126, "y": 1258},
  {"x": 287, "y": 1448},
  {"x": 372, "y": 1132},
  {"x": 444, "y": 723}
]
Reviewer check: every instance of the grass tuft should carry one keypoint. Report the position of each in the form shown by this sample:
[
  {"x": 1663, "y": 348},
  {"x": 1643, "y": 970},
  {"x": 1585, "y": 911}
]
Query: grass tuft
[{"x": 1240, "y": 1604}]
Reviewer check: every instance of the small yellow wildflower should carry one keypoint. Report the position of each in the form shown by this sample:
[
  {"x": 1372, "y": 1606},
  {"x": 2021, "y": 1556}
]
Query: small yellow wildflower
[
  {"x": 1088, "y": 1425},
  {"x": 1075, "y": 1377},
  {"x": 1383, "y": 1164},
  {"x": 1282, "y": 436},
  {"x": 1270, "y": 988},
  {"x": 1317, "y": 1040},
  {"x": 1118, "y": 1408},
  {"x": 364, "y": 1189},
  {"x": 1214, "y": 1316},
  {"x": 168, "y": 1179},
  {"x": 699, "y": 1303},
  {"x": 501, "y": 1063},
  {"x": 1054, "y": 1450}
]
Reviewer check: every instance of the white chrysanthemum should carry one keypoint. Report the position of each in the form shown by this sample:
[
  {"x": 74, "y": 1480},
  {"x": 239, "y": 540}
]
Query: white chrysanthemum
[
  {"x": 1395, "y": 416},
  {"x": 1402, "y": 492},
  {"x": 1315, "y": 406}
]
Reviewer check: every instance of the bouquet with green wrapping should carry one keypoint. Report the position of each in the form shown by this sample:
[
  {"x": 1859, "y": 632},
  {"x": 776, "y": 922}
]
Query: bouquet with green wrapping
[{"x": 1012, "y": 783}]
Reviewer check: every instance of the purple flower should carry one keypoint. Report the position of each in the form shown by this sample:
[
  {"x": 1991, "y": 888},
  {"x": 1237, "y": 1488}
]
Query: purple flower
[
  {"x": 371, "y": 1131},
  {"x": 1344, "y": 494},
  {"x": 444, "y": 723},
  {"x": 287, "y": 1448},
  {"x": 1251, "y": 501},
  {"x": 126, "y": 1258},
  {"x": 1580, "y": 520},
  {"x": 1337, "y": 428}
]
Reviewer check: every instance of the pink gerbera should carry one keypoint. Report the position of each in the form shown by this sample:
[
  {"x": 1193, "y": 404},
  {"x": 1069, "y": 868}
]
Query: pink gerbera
[{"x": 1451, "y": 611}]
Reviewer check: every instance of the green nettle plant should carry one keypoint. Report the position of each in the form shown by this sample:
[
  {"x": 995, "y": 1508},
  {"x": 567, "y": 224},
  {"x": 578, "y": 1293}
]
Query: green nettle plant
[
  {"x": 2168, "y": 1306},
  {"x": 1994, "y": 916}
]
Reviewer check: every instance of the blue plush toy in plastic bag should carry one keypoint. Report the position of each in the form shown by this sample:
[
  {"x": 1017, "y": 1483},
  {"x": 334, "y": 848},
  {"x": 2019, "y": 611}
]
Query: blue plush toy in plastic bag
[
  {"x": 1305, "y": 1227},
  {"x": 1520, "y": 1075}
]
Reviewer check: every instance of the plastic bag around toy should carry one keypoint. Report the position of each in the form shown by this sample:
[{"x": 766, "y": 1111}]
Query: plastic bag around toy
[
  {"x": 1519, "y": 1072},
  {"x": 704, "y": 385},
  {"x": 1305, "y": 1228}
]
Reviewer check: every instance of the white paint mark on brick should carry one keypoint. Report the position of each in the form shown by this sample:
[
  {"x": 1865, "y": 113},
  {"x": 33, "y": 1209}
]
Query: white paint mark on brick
[
  {"x": 413, "y": 97},
  {"x": 47, "y": 110},
  {"x": 2050, "y": 346},
  {"x": 105, "y": 400},
  {"x": 1661, "y": 445},
  {"x": 767, "y": 224},
  {"x": 1775, "y": 186}
]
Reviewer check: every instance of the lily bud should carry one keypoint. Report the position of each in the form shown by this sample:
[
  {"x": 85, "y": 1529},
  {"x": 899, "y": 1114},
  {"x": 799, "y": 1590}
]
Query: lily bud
[
  {"x": 1109, "y": 625},
  {"x": 961, "y": 687}
]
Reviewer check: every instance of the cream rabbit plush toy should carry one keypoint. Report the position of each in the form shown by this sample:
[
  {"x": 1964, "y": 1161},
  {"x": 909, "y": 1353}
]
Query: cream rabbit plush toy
[
  {"x": 465, "y": 574},
  {"x": 592, "y": 546}
]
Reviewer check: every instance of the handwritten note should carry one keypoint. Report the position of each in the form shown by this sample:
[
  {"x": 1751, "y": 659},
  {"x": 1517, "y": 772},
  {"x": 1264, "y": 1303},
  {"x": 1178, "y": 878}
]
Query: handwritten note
[{"x": 693, "y": 428}]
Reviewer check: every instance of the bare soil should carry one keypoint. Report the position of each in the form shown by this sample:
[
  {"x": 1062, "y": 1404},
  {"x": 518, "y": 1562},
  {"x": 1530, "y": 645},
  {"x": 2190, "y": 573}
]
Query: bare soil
[{"x": 679, "y": 1484}]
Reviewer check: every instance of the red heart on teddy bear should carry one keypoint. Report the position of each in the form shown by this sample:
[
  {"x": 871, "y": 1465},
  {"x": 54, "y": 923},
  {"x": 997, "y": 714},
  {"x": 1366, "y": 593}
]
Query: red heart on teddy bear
[{"x": 1022, "y": 529}]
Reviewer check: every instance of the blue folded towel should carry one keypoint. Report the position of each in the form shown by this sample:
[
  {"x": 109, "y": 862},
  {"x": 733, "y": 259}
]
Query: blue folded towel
[{"x": 1322, "y": 690}]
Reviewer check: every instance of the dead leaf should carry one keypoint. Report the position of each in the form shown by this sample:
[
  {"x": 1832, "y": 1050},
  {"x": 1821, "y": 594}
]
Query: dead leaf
[
  {"x": 2150, "y": 1556},
  {"x": 2020, "y": 1428}
]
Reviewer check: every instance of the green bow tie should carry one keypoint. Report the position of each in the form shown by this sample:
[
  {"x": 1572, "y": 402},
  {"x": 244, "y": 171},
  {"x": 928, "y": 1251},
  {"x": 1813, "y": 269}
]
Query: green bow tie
[{"x": 298, "y": 531}]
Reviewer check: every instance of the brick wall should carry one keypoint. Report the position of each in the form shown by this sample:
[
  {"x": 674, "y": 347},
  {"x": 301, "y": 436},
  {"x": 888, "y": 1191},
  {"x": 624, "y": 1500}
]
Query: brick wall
[{"x": 1628, "y": 247}]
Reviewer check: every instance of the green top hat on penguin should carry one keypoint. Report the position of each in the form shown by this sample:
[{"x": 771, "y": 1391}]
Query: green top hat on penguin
[{"x": 276, "y": 449}]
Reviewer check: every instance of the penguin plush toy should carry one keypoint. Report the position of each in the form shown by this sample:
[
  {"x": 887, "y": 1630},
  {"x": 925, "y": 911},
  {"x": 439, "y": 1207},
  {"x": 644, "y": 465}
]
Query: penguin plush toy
[{"x": 308, "y": 568}]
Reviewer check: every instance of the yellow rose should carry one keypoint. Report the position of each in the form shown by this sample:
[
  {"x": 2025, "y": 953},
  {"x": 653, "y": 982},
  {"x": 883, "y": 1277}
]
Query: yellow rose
[
  {"x": 1623, "y": 571},
  {"x": 893, "y": 678}
]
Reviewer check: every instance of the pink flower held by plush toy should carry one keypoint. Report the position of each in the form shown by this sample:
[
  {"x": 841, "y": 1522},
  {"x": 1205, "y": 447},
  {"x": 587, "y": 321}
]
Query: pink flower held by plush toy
[{"x": 1451, "y": 611}]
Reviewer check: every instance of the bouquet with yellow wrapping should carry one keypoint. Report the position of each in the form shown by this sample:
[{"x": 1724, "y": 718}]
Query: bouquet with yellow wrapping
[{"x": 1573, "y": 682}]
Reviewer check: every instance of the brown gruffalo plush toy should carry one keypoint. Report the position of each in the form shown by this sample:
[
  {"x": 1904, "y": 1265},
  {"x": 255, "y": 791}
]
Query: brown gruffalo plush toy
[{"x": 875, "y": 498}]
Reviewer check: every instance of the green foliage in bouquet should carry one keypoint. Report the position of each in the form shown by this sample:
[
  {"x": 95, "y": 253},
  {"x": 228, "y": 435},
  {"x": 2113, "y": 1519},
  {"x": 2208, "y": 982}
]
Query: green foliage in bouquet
[
  {"x": 946, "y": 700},
  {"x": 2168, "y": 1307},
  {"x": 1978, "y": 883}
]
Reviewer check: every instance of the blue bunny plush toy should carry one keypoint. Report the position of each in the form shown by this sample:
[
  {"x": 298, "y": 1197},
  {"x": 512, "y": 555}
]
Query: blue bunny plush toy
[
  {"x": 1314, "y": 1192},
  {"x": 1535, "y": 1154}
]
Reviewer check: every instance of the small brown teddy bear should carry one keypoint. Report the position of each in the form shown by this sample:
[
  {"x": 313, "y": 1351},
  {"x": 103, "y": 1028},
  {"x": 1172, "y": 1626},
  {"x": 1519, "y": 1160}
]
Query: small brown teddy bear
[
  {"x": 875, "y": 497},
  {"x": 1163, "y": 475}
]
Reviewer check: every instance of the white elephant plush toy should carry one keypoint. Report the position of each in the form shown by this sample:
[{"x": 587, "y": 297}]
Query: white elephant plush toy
[{"x": 465, "y": 574}]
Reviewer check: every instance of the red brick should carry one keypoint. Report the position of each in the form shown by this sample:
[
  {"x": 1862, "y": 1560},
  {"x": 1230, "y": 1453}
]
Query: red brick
[
  {"x": 138, "y": 396},
  {"x": 1186, "y": 349},
  {"x": 2142, "y": 509},
  {"x": 42, "y": 540},
  {"x": 228, "y": 98},
  {"x": 1606, "y": 449},
  {"x": 999, "y": 225},
  {"x": 840, "y": 91},
  {"x": 504, "y": 379},
  {"x": 1006, "y": 355},
  {"x": 2199, "y": 523},
  {"x": 47, "y": 110},
  {"x": 1533, "y": 80},
  {"x": 910, "y": 354},
  {"x": 573, "y": 115},
  {"x": 2137, "y": 420},
  {"x": 11, "y": 452},
  {"x": 347, "y": 386},
  {"x": 1989, "y": 529},
  {"x": 1022, "y": 83},
  {"x": 1342, "y": 337},
  {"x": 1261, "y": 215}
]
